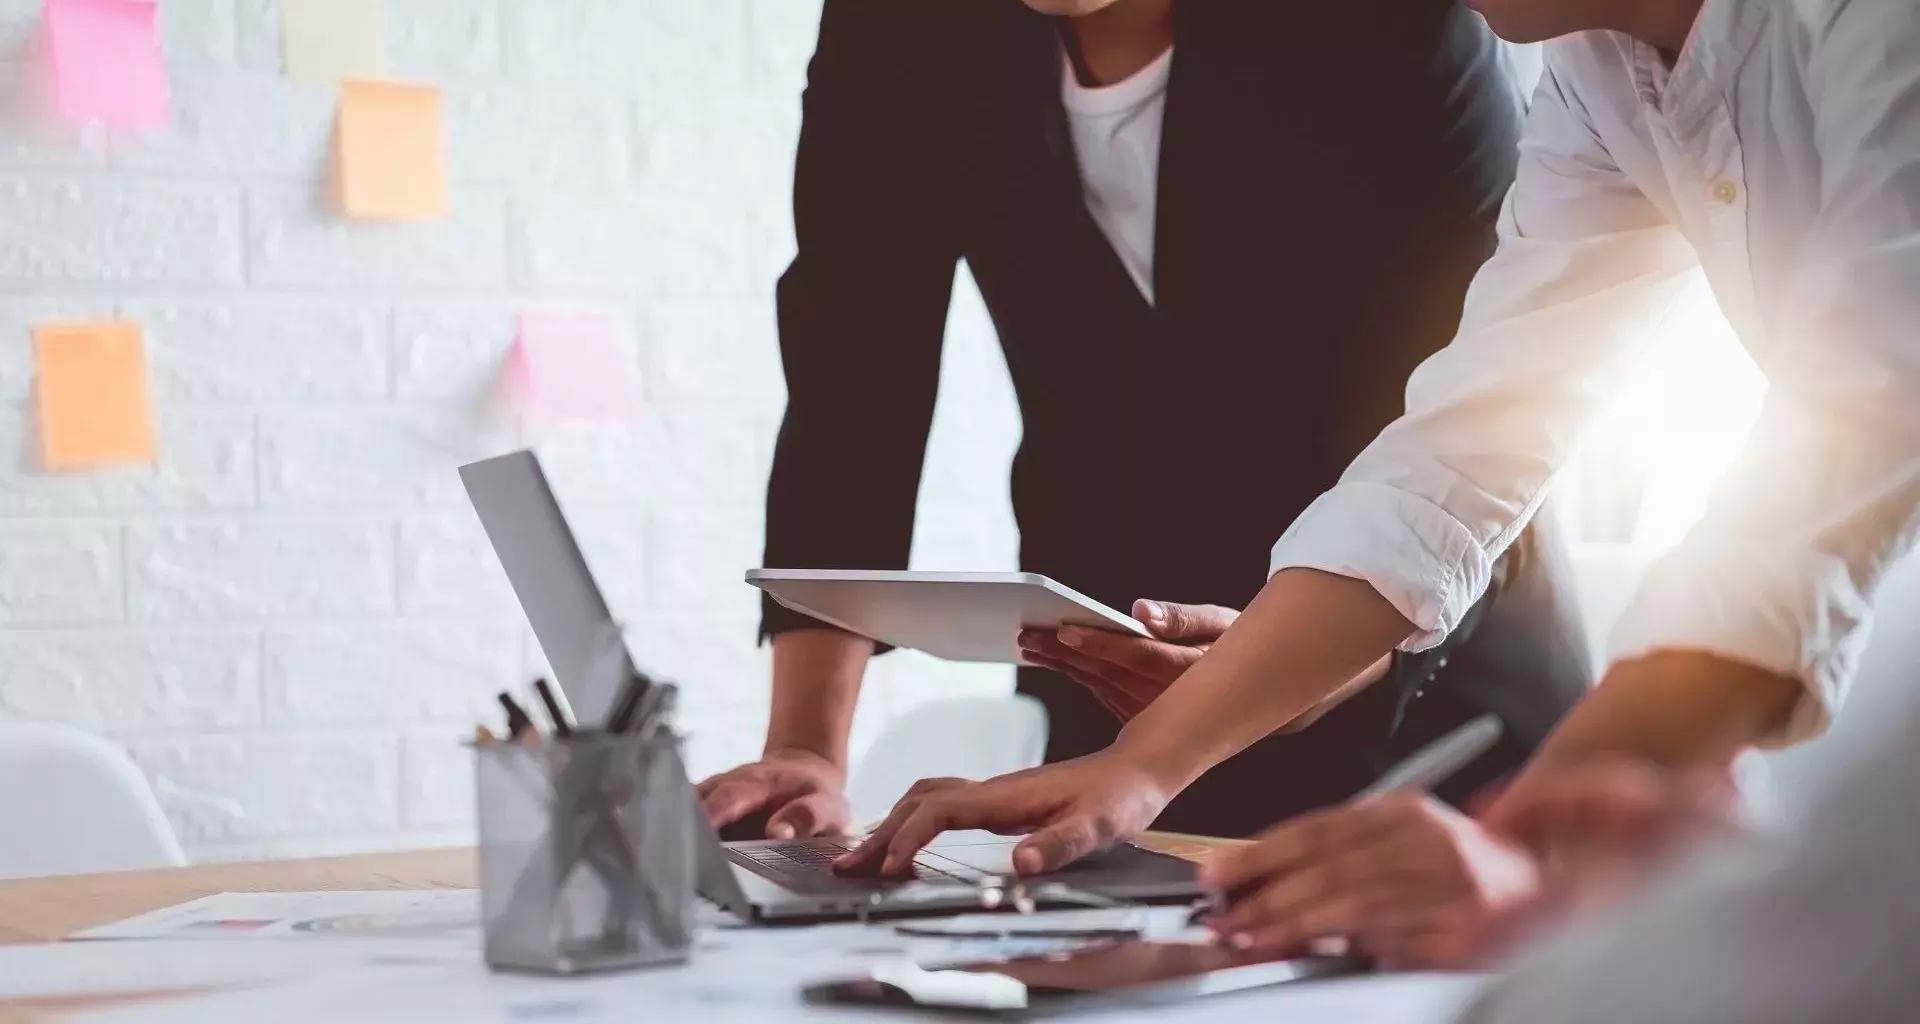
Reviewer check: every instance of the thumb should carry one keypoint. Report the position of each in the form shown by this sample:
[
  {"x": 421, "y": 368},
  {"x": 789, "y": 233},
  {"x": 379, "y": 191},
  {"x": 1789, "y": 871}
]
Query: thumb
[
  {"x": 807, "y": 817},
  {"x": 1191, "y": 623},
  {"x": 1058, "y": 845}
]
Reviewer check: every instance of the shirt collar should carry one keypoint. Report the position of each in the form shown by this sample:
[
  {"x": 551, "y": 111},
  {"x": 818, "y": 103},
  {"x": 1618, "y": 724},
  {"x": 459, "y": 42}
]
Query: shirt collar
[{"x": 1691, "y": 91}]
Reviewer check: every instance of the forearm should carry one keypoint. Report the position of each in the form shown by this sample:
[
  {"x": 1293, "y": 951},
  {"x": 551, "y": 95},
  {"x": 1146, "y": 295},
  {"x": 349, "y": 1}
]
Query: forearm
[
  {"x": 1306, "y": 635},
  {"x": 816, "y": 685},
  {"x": 1677, "y": 709}
]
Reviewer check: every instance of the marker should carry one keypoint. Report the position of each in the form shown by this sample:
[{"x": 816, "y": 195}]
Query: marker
[
  {"x": 556, "y": 709},
  {"x": 519, "y": 723}
]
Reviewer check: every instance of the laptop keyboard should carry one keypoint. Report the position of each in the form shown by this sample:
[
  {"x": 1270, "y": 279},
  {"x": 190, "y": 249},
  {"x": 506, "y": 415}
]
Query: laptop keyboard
[{"x": 815, "y": 859}]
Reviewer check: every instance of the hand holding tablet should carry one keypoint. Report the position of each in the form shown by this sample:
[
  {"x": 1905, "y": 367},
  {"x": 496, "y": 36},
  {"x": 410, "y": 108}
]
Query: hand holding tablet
[{"x": 956, "y": 616}]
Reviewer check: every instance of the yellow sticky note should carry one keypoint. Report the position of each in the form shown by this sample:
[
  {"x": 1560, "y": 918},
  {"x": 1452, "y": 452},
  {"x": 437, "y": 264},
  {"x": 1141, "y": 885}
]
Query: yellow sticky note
[
  {"x": 327, "y": 40},
  {"x": 393, "y": 151},
  {"x": 95, "y": 402}
]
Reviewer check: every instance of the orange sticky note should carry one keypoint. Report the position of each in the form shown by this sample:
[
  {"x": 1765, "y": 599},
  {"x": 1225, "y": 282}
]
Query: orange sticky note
[
  {"x": 96, "y": 405},
  {"x": 393, "y": 151}
]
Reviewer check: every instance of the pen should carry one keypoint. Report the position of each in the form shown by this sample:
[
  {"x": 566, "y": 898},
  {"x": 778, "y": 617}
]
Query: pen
[
  {"x": 627, "y": 703},
  {"x": 1426, "y": 768},
  {"x": 519, "y": 723},
  {"x": 654, "y": 710},
  {"x": 1438, "y": 761},
  {"x": 556, "y": 710}
]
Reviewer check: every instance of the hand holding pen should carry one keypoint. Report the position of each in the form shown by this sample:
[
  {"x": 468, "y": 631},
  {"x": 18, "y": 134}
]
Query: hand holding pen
[{"x": 1380, "y": 869}]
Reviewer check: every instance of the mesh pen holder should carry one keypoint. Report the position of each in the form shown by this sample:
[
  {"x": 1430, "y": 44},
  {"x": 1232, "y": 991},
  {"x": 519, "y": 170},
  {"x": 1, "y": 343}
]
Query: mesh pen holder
[{"x": 587, "y": 853}]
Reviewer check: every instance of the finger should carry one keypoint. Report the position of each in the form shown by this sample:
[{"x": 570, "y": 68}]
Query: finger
[
  {"x": 1422, "y": 946},
  {"x": 1100, "y": 688},
  {"x": 1097, "y": 676},
  {"x": 1153, "y": 660},
  {"x": 935, "y": 785},
  {"x": 1030, "y": 639},
  {"x": 735, "y": 799},
  {"x": 1601, "y": 804},
  {"x": 938, "y": 813},
  {"x": 1284, "y": 895},
  {"x": 868, "y": 853},
  {"x": 808, "y": 816},
  {"x": 1190, "y": 623},
  {"x": 1312, "y": 837},
  {"x": 1060, "y": 844},
  {"x": 1102, "y": 691},
  {"x": 1341, "y": 916},
  {"x": 1039, "y": 660}
]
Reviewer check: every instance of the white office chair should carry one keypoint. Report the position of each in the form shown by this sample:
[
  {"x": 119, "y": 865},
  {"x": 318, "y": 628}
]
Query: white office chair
[
  {"x": 968, "y": 738},
  {"x": 73, "y": 804}
]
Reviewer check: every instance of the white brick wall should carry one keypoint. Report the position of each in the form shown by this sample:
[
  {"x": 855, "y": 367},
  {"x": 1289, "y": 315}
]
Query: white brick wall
[{"x": 294, "y": 620}]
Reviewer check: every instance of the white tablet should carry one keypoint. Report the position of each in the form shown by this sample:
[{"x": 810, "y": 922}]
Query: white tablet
[{"x": 958, "y": 616}]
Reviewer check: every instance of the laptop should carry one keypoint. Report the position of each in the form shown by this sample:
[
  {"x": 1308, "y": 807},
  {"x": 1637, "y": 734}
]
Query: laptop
[{"x": 761, "y": 880}]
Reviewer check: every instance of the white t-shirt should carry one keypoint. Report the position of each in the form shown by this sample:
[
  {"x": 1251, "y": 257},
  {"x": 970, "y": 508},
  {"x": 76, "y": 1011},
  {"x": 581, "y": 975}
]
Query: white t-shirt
[{"x": 1116, "y": 136}]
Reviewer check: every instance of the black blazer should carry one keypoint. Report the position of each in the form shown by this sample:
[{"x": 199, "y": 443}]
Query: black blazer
[{"x": 1330, "y": 177}]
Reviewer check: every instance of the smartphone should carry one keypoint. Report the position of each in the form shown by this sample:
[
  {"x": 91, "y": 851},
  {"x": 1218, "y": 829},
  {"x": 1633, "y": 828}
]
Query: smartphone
[{"x": 1121, "y": 974}]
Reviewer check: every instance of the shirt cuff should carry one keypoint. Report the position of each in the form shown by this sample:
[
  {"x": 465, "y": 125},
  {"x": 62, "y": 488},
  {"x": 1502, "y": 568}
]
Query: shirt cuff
[
  {"x": 1421, "y": 559},
  {"x": 1801, "y": 617}
]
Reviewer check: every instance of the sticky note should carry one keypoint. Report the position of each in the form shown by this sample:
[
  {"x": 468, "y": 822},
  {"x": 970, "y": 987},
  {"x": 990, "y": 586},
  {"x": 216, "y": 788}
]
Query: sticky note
[
  {"x": 107, "y": 64},
  {"x": 573, "y": 366},
  {"x": 95, "y": 401},
  {"x": 325, "y": 41},
  {"x": 392, "y": 151}
]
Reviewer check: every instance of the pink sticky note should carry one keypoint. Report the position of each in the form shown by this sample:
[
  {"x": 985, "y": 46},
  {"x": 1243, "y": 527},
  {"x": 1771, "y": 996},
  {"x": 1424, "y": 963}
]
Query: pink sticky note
[
  {"x": 107, "y": 64},
  {"x": 573, "y": 366}
]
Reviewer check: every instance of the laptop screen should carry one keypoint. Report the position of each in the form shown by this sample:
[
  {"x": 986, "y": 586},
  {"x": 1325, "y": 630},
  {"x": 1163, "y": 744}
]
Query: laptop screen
[{"x": 549, "y": 574}]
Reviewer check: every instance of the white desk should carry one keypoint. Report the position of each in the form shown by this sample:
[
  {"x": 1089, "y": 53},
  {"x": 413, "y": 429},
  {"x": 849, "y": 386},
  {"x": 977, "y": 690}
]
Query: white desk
[{"x": 723, "y": 985}]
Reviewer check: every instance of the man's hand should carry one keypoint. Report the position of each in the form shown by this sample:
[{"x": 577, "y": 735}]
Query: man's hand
[
  {"x": 1070, "y": 809},
  {"x": 1127, "y": 672},
  {"x": 1601, "y": 829},
  {"x": 1417, "y": 884},
  {"x": 1403, "y": 876},
  {"x": 804, "y": 793}
]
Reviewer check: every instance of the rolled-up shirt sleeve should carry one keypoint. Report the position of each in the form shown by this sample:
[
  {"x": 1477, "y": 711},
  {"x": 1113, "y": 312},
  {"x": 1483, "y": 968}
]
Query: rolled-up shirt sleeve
[
  {"x": 1781, "y": 571},
  {"x": 1555, "y": 324}
]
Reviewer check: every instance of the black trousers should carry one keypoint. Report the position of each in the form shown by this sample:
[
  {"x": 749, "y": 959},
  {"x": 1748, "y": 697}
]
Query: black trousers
[{"x": 1520, "y": 654}]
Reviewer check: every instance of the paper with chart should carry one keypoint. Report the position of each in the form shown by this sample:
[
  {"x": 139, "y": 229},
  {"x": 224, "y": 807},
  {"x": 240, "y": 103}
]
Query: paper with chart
[
  {"x": 448, "y": 915},
  {"x": 65, "y": 969}
]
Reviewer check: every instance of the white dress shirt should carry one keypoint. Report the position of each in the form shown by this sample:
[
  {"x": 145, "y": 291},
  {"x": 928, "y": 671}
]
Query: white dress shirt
[
  {"x": 1116, "y": 138},
  {"x": 1782, "y": 154}
]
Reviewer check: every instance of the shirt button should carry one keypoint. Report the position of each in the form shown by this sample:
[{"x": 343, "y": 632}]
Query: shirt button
[{"x": 1725, "y": 191}]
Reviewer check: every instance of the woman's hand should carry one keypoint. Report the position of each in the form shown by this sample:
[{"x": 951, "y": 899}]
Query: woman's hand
[
  {"x": 1070, "y": 810},
  {"x": 804, "y": 794},
  {"x": 1128, "y": 672}
]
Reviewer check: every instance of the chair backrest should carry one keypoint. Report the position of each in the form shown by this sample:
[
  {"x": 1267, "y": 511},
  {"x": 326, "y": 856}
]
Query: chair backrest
[
  {"x": 966, "y": 738},
  {"x": 72, "y": 803}
]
